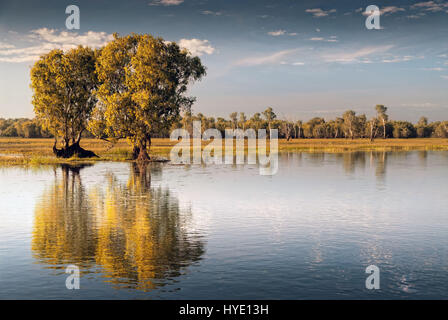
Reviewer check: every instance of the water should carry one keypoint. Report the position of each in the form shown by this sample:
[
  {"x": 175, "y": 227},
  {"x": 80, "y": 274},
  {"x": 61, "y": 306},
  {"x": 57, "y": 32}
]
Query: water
[{"x": 226, "y": 232}]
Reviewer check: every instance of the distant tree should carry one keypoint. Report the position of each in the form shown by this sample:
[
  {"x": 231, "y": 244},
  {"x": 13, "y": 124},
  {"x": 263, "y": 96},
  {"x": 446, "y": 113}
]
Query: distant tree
[
  {"x": 221, "y": 125},
  {"x": 310, "y": 130},
  {"x": 243, "y": 120},
  {"x": 299, "y": 126},
  {"x": 30, "y": 129},
  {"x": 63, "y": 87},
  {"x": 269, "y": 115},
  {"x": 256, "y": 122},
  {"x": 361, "y": 125},
  {"x": 403, "y": 129},
  {"x": 10, "y": 131},
  {"x": 441, "y": 129},
  {"x": 423, "y": 130},
  {"x": 373, "y": 128},
  {"x": 287, "y": 129},
  {"x": 338, "y": 127},
  {"x": 350, "y": 122},
  {"x": 382, "y": 117},
  {"x": 234, "y": 119}
]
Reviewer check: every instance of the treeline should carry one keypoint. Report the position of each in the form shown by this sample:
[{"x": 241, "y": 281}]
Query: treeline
[
  {"x": 349, "y": 125},
  {"x": 26, "y": 128},
  {"x": 22, "y": 127}
]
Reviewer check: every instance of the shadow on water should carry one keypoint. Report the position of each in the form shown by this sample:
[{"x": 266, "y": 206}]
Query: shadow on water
[{"x": 135, "y": 235}]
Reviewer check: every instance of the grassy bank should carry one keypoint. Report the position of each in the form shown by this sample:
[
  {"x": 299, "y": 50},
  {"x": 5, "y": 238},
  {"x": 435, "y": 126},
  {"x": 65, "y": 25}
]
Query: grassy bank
[{"x": 18, "y": 151}]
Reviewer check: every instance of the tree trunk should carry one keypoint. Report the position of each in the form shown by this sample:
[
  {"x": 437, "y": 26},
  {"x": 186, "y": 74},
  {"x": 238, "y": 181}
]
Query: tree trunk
[
  {"x": 143, "y": 154},
  {"x": 69, "y": 151},
  {"x": 135, "y": 152}
]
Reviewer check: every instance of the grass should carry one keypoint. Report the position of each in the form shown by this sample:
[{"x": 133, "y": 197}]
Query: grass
[{"x": 19, "y": 151}]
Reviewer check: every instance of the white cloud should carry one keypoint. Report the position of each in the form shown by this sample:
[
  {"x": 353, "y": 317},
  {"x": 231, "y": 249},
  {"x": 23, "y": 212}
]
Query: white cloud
[
  {"x": 318, "y": 13},
  {"x": 434, "y": 69},
  {"x": 331, "y": 39},
  {"x": 391, "y": 10},
  {"x": 419, "y": 105},
  {"x": 6, "y": 45},
  {"x": 166, "y": 3},
  {"x": 355, "y": 56},
  {"x": 274, "y": 58},
  {"x": 416, "y": 16},
  {"x": 211, "y": 13},
  {"x": 430, "y": 6},
  {"x": 444, "y": 77},
  {"x": 277, "y": 33},
  {"x": 396, "y": 59},
  {"x": 197, "y": 47},
  {"x": 44, "y": 40},
  {"x": 315, "y": 56},
  {"x": 386, "y": 11}
]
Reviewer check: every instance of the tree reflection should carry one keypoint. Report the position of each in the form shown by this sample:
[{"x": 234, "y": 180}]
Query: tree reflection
[{"x": 137, "y": 234}]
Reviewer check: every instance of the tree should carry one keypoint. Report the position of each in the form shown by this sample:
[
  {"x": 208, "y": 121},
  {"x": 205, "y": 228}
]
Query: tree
[
  {"x": 361, "y": 125},
  {"x": 287, "y": 129},
  {"x": 338, "y": 126},
  {"x": 256, "y": 121},
  {"x": 373, "y": 128},
  {"x": 221, "y": 125},
  {"x": 441, "y": 129},
  {"x": 350, "y": 122},
  {"x": 423, "y": 130},
  {"x": 299, "y": 126},
  {"x": 243, "y": 120},
  {"x": 143, "y": 88},
  {"x": 313, "y": 128},
  {"x": 63, "y": 87},
  {"x": 234, "y": 119},
  {"x": 382, "y": 117},
  {"x": 403, "y": 129},
  {"x": 269, "y": 115},
  {"x": 187, "y": 121}
]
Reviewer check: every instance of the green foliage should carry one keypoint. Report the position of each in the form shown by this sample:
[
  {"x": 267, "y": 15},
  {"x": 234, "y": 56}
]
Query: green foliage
[
  {"x": 63, "y": 85},
  {"x": 143, "y": 87},
  {"x": 403, "y": 129}
]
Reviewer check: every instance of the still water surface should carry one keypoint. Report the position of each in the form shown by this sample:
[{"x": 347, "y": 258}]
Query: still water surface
[{"x": 226, "y": 232}]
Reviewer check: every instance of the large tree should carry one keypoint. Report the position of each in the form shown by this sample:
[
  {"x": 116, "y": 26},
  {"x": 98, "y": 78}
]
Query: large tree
[
  {"x": 63, "y": 96},
  {"x": 144, "y": 81}
]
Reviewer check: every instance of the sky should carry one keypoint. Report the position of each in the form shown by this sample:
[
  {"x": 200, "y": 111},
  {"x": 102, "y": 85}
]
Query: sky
[{"x": 303, "y": 58}]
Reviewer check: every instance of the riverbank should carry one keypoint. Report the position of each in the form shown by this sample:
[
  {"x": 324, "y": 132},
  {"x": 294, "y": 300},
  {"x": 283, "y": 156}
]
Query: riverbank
[{"x": 19, "y": 151}]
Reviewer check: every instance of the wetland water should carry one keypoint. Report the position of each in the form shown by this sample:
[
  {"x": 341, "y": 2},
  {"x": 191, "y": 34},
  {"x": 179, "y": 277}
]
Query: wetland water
[{"x": 226, "y": 232}]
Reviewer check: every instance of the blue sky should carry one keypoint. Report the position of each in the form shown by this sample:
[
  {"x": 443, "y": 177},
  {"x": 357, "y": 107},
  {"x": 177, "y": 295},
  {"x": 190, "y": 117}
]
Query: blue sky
[{"x": 303, "y": 58}]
